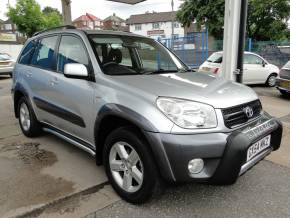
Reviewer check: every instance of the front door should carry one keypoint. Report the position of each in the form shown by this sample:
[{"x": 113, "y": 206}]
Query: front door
[{"x": 254, "y": 69}]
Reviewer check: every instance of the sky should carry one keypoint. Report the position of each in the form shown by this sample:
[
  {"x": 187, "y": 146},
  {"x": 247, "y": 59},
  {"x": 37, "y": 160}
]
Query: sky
[{"x": 101, "y": 8}]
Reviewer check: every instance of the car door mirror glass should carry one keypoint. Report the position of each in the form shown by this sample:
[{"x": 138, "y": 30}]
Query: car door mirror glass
[{"x": 74, "y": 70}]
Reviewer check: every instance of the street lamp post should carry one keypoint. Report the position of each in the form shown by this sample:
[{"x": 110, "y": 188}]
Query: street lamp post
[
  {"x": 172, "y": 24},
  {"x": 66, "y": 12},
  {"x": 234, "y": 39}
]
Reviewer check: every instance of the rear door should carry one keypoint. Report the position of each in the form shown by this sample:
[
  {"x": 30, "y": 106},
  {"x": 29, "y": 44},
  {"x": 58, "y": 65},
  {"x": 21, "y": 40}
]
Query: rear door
[{"x": 38, "y": 73}]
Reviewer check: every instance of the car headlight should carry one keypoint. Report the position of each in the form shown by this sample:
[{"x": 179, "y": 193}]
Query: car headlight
[{"x": 188, "y": 114}]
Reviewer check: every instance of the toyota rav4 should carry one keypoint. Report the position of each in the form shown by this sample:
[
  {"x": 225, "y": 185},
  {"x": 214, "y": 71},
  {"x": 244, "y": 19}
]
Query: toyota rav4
[{"x": 134, "y": 105}]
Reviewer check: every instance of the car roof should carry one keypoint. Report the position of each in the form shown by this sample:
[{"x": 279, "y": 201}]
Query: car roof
[{"x": 88, "y": 32}]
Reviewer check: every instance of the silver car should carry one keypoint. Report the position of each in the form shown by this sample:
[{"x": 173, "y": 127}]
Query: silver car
[
  {"x": 136, "y": 107},
  {"x": 6, "y": 64}
]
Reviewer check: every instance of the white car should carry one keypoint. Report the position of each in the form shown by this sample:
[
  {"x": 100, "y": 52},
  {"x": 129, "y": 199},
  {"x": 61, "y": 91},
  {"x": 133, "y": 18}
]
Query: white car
[
  {"x": 6, "y": 64},
  {"x": 257, "y": 70}
]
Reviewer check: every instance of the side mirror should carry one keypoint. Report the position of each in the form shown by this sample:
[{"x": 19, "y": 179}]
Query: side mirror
[
  {"x": 77, "y": 71},
  {"x": 264, "y": 64}
]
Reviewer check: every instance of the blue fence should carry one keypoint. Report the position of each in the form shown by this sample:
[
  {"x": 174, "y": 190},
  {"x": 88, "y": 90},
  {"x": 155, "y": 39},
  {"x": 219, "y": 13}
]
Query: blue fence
[
  {"x": 276, "y": 52},
  {"x": 192, "y": 49}
]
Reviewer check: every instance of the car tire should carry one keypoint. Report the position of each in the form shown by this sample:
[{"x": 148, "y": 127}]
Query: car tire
[
  {"x": 27, "y": 119},
  {"x": 129, "y": 166},
  {"x": 271, "y": 81}
]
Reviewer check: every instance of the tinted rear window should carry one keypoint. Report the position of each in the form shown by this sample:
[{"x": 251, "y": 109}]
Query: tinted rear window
[
  {"x": 44, "y": 55},
  {"x": 215, "y": 58},
  {"x": 27, "y": 53}
]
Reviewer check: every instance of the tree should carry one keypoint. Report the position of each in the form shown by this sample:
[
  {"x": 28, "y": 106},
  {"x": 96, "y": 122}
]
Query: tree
[
  {"x": 29, "y": 18},
  {"x": 52, "y": 17},
  {"x": 267, "y": 20},
  {"x": 48, "y": 10}
]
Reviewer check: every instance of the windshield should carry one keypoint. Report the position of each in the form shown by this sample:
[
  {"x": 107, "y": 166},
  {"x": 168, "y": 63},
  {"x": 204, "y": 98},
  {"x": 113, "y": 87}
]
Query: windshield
[
  {"x": 4, "y": 57},
  {"x": 215, "y": 58},
  {"x": 127, "y": 55}
]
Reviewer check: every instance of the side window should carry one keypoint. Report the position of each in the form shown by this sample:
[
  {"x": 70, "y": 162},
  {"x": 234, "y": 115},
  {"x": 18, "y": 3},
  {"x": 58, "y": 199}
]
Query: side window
[
  {"x": 71, "y": 50},
  {"x": 43, "y": 57},
  {"x": 252, "y": 59},
  {"x": 27, "y": 53}
]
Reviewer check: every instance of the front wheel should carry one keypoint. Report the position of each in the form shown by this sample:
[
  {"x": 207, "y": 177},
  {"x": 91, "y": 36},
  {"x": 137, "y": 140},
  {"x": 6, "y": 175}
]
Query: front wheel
[
  {"x": 129, "y": 165},
  {"x": 271, "y": 81}
]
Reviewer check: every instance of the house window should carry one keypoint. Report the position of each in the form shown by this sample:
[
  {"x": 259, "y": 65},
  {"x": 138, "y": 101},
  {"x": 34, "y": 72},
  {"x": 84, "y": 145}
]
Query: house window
[
  {"x": 138, "y": 27},
  {"x": 7, "y": 26},
  {"x": 176, "y": 25},
  {"x": 155, "y": 25}
]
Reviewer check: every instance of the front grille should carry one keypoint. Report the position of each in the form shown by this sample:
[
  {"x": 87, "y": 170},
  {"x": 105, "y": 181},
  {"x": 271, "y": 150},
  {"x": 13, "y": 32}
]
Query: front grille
[{"x": 236, "y": 116}]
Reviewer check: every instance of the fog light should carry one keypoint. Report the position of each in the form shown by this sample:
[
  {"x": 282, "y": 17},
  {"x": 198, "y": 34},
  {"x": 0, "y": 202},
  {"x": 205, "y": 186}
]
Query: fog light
[{"x": 195, "y": 166}]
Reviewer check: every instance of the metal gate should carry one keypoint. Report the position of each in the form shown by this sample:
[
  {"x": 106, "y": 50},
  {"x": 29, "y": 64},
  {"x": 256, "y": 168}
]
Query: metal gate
[{"x": 192, "y": 49}]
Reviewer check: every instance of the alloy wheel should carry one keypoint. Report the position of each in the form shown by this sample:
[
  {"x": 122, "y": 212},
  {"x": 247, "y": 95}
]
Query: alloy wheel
[
  {"x": 126, "y": 167},
  {"x": 24, "y": 117}
]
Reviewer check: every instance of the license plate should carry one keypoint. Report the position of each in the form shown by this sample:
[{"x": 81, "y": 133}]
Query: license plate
[
  {"x": 206, "y": 69},
  {"x": 285, "y": 84},
  {"x": 258, "y": 147}
]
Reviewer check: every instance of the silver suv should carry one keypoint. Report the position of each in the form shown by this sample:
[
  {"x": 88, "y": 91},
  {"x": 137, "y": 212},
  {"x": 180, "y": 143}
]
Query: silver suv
[{"x": 135, "y": 106}]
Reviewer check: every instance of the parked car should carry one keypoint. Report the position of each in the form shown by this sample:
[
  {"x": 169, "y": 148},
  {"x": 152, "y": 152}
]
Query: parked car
[
  {"x": 143, "y": 114},
  {"x": 257, "y": 70},
  {"x": 6, "y": 64},
  {"x": 283, "y": 80}
]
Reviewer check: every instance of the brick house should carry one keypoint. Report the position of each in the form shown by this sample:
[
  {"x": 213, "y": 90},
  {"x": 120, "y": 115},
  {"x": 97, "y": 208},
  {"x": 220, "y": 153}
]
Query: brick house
[{"x": 88, "y": 21}]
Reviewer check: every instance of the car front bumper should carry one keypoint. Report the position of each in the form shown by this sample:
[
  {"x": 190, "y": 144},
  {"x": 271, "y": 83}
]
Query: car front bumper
[
  {"x": 283, "y": 84},
  {"x": 224, "y": 154}
]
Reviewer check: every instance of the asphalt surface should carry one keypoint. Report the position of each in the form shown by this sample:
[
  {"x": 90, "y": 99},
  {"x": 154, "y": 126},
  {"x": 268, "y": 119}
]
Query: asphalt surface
[
  {"x": 47, "y": 177},
  {"x": 262, "y": 192}
]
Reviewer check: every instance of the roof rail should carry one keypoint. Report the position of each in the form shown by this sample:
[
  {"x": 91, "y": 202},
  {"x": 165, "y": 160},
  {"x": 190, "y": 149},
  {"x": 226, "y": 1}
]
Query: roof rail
[{"x": 65, "y": 27}]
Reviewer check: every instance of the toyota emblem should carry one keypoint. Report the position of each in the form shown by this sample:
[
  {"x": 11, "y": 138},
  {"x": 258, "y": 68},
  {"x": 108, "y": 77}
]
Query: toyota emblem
[{"x": 249, "y": 112}]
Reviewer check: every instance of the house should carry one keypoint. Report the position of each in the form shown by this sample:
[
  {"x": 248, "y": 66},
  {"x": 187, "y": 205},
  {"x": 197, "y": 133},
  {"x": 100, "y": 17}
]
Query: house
[
  {"x": 88, "y": 21},
  {"x": 156, "y": 25},
  {"x": 8, "y": 27},
  {"x": 115, "y": 23}
]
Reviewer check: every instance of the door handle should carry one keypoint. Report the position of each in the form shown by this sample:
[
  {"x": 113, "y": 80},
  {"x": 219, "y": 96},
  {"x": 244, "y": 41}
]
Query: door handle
[
  {"x": 28, "y": 74},
  {"x": 54, "y": 81}
]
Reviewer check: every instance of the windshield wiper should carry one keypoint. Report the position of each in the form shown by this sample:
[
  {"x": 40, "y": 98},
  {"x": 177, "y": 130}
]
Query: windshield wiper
[{"x": 160, "y": 71}]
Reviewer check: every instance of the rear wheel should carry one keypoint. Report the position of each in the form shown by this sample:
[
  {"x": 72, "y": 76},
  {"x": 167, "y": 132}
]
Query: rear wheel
[
  {"x": 271, "y": 81},
  {"x": 27, "y": 120},
  {"x": 129, "y": 165}
]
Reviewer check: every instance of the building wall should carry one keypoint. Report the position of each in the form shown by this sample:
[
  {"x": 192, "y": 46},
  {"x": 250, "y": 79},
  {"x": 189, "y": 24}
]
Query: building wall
[{"x": 164, "y": 31}]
